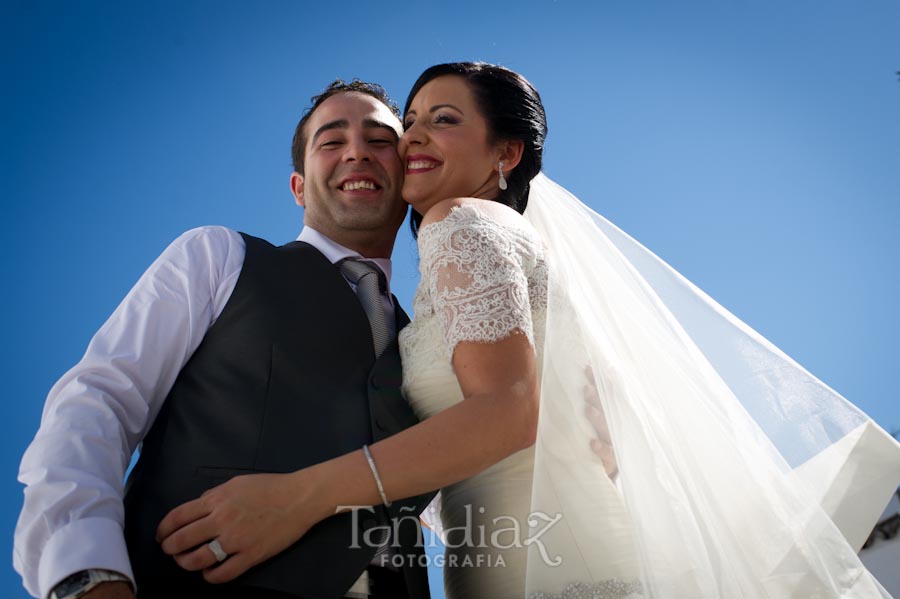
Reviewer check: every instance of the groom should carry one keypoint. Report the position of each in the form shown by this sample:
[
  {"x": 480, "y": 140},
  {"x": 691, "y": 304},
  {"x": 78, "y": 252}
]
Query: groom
[{"x": 232, "y": 356}]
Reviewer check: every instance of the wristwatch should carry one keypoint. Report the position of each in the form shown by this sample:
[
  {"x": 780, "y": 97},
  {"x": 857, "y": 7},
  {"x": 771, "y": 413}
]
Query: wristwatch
[{"x": 78, "y": 584}]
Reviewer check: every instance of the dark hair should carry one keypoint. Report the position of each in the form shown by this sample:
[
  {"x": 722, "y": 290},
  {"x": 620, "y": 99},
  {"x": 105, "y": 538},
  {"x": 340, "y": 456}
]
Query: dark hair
[
  {"x": 298, "y": 146},
  {"x": 513, "y": 110}
]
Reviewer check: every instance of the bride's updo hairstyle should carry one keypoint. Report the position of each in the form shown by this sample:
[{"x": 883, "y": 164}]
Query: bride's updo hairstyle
[{"x": 513, "y": 110}]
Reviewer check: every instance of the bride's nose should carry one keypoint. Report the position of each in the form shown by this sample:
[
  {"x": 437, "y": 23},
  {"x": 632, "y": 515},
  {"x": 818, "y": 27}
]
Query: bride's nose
[{"x": 412, "y": 135}]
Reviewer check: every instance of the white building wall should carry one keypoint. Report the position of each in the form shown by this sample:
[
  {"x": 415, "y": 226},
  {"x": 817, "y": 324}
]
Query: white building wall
[
  {"x": 882, "y": 558},
  {"x": 883, "y": 561}
]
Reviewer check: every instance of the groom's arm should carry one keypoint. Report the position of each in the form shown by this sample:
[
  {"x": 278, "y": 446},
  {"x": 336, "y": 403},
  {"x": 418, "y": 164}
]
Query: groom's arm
[{"x": 97, "y": 413}]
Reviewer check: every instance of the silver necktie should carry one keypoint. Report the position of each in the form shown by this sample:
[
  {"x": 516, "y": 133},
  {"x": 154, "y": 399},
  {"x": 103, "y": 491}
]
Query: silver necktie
[{"x": 370, "y": 285}]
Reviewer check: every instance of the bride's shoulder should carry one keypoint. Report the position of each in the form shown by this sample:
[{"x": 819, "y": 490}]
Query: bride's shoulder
[{"x": 473, "y": 210}]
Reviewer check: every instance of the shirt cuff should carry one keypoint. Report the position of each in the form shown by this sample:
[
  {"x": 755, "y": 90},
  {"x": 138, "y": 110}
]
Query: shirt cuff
[{"x": 82, "y": 545}]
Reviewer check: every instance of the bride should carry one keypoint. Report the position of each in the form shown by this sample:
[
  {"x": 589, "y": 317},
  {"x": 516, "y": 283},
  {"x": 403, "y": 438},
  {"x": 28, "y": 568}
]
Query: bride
[{"x": 722, "y": 468}]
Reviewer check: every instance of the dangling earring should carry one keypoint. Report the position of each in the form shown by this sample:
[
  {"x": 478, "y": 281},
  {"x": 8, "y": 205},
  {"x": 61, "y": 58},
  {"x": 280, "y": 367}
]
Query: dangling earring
[{"x": 502, "y": 178}]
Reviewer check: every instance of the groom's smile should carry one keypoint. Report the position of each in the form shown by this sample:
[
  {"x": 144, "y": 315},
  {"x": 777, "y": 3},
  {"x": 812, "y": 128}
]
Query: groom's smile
[{"x": 359, "y": 183}]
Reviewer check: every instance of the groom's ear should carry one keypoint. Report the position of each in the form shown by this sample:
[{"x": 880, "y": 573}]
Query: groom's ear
[
  {"x": 297, "y": 188},
  {"x": 511, "y": 153}
]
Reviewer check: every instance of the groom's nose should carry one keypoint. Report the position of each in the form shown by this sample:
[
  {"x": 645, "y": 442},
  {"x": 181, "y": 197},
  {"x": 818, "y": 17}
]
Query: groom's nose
[{"x": 357, "y": 150}]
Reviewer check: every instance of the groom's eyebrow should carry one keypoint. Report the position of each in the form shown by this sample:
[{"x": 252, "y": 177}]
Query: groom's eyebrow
[
  {"x": 375, "y": 124},
  {"x": 338, "y": 124},
  {"x": 345, "y": 124}
]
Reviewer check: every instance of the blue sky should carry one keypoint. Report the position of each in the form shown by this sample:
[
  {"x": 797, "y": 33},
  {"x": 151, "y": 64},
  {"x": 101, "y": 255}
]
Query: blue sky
[{"x": 755, "y": 146}]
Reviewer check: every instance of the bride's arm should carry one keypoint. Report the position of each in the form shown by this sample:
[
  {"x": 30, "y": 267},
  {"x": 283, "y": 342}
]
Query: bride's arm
[{"x": 497, "y": 418}]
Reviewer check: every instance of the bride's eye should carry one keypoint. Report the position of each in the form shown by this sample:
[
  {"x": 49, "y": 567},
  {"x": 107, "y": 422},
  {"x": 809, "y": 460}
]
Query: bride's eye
[
  {"x": 445, "y": 119},
  {"x": 408, "y": 123}
]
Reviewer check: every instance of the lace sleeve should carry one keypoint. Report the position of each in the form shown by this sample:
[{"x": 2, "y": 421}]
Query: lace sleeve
[{"x": 477, "y": 274}]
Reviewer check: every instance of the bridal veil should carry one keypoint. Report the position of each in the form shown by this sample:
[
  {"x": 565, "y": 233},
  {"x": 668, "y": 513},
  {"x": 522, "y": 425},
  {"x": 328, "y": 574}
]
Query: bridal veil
[{"x": 740, "y": 475}]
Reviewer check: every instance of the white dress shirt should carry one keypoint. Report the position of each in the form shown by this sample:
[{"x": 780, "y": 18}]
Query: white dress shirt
[{"x": 99, "y": 411}]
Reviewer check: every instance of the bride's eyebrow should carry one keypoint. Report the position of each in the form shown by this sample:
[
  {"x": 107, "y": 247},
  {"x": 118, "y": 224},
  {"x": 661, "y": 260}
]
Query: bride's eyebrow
[
  {"x": 439, "y": 106},
  {"x": 412, "y": 112}
]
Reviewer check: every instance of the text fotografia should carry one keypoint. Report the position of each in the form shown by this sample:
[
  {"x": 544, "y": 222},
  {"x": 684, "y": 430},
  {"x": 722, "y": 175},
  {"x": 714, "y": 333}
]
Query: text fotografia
[
  {"x": 452, "y": 560},
  {"x": 507, "y": 533}
]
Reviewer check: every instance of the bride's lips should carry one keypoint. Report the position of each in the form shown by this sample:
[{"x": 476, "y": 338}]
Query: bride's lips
[{"x": 421, "y": 163}]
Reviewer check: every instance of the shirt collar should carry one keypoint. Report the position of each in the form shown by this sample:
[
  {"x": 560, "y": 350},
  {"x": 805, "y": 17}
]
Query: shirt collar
[{"x": 335, "y": 252}]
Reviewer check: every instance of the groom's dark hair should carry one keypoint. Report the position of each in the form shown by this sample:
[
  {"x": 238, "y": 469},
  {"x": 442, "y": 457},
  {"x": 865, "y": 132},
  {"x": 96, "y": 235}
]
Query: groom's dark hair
[
  {"x": 512, "y": 108},
  {"x": 338, "y": 86}
]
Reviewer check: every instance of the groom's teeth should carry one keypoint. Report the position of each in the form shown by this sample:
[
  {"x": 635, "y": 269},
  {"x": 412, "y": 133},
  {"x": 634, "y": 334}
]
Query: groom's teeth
[
  {"x": 354, "y": 185},
  {"x": 416, "y": 164}
]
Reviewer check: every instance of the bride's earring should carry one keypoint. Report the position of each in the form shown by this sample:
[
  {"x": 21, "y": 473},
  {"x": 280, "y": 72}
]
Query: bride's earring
[{"x": 502, "y": 181}]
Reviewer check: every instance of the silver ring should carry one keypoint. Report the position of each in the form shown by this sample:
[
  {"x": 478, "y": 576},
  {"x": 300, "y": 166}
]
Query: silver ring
[{"x": 217, "y": 550}]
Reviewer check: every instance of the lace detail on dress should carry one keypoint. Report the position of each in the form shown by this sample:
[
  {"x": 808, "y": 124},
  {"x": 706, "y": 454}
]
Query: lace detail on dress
[
  {"x": 608, "y": 589},
  {"x": 482, "y": 278}
]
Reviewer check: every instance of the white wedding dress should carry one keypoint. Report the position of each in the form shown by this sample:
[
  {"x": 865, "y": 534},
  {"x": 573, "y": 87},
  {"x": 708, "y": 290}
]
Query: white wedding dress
[
  {"x": 740, "y": 475},
  {"x": 481, "y": 281}
]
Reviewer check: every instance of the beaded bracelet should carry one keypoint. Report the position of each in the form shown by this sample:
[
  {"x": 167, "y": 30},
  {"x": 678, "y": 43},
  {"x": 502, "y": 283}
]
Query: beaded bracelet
[{"x": 374, "y": 470}]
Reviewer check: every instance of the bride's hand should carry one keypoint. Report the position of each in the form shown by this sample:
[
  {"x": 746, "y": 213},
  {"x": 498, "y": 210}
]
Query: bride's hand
[
  {"x": 601, "y": 445},
  {"x": 253, "y": 517}
]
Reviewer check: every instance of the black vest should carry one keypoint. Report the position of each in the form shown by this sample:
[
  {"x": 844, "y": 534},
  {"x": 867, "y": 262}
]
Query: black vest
[{"x": 284, "y": 379}]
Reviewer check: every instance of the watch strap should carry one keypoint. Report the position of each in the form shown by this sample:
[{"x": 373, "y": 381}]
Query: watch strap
[{"x": 79, "y": 583}]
